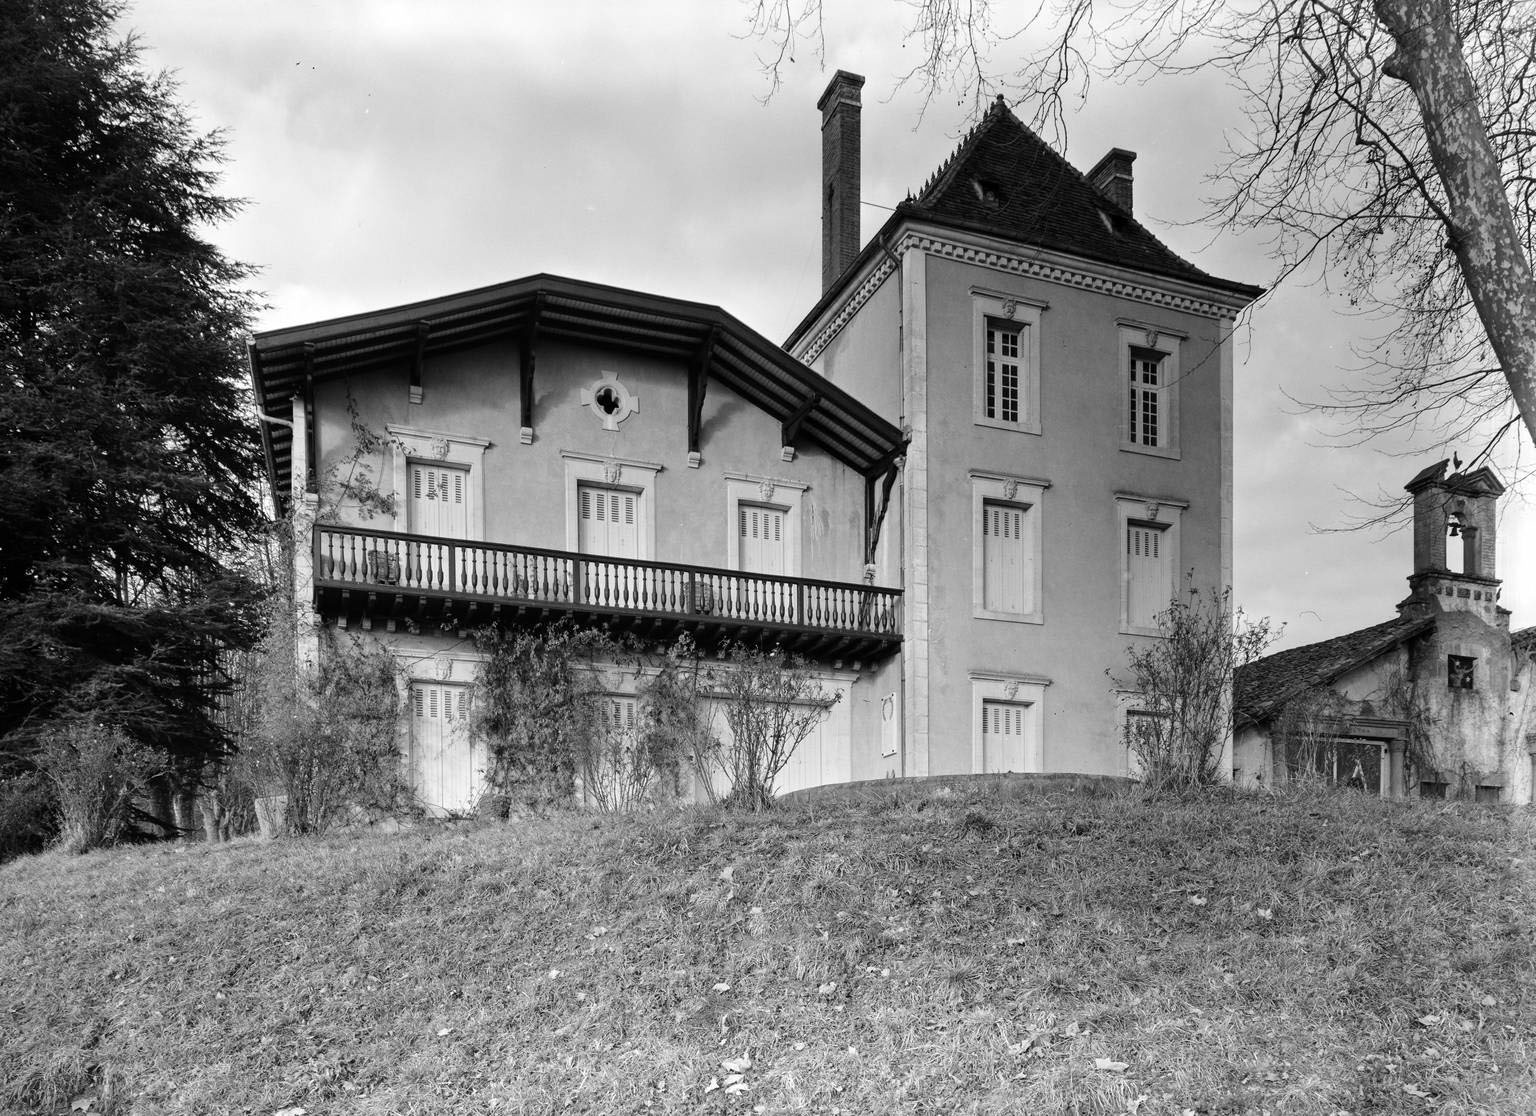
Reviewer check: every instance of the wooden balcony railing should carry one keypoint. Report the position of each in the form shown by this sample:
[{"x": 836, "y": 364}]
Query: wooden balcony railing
[{"x": 387, "y": 564}]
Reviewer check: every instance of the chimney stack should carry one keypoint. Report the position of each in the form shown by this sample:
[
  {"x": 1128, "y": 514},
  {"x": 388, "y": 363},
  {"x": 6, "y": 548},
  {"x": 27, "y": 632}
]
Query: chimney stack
[
  {"x": 840, "y": 135},
  {"x": 1112, "y": 176}
]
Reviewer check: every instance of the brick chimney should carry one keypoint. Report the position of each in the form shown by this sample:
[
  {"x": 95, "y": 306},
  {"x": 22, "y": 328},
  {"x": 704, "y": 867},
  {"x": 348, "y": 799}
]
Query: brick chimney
[
  {"x": 840, "y": 107},
  {"x": 1112, "y": 176}
]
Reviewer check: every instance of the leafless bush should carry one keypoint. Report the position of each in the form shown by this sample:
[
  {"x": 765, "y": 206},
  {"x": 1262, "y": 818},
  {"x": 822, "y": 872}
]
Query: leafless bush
[
  {"x": 1185, "y": 678},
  {"x": 772, "y": 701},
  {"x": 96, "y": 771}
]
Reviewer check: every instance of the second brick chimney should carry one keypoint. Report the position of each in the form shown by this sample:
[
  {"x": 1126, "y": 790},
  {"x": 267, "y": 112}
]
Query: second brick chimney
[
  {"x": 840, "y": 136},
  {"x": 1112, "y": 176}
]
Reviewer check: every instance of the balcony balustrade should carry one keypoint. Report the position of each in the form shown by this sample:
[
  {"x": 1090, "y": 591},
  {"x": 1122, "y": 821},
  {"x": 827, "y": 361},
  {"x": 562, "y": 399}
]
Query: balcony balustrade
[{"x": 425, "y": 579}]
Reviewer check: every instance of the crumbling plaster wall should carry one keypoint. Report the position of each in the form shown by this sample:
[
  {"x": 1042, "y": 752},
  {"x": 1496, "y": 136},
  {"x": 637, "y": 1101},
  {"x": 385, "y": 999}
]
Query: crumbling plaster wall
[{"x": 1471, "y": 732}]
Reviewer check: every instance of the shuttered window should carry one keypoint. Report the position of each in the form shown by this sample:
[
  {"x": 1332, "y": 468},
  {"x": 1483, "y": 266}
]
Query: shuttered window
[
  {"x": 1148, "y": 574},
  {"x": 444, "y": 769},
  {"x": 438, "y": 500},
  {"x": 760, "y": 537},
  {"x": 618, "y": 717},
  {"x": 1003, "y": 725},
  {"x": 1007, "y": 577},
  {"x": 607, "y": 521}
]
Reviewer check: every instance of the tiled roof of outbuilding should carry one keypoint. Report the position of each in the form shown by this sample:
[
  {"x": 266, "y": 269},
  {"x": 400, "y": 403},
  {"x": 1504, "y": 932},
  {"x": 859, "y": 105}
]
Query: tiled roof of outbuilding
[
  {"x": 1005, "y": 181},
  {"x": 1523, "y": 641},
  {"x": 1263, "y": 686}
]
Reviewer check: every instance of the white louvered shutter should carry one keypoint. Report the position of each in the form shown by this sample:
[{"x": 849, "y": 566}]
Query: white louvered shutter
[
  {"x": 1002, "y": 735},
  {"x": 1148, "y": 591},
  {"x": 1006, "y": 579},
  {"x": 445, "y": 772},
  {"x": 760, "y": 534},
  {"x": 438, "y": 501},
  {"x": 608, "y": 521}
]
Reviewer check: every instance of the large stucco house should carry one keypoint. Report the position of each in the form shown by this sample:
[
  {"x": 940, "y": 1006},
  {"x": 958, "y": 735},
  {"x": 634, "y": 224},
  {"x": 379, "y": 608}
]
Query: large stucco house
[{"x": 995, "y": 448}]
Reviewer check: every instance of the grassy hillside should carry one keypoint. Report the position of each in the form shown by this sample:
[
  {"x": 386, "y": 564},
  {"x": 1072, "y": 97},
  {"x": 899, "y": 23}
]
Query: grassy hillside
[{"x": 971, "y": 954}]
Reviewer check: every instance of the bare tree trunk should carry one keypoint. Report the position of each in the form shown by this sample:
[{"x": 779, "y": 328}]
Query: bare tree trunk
[{"x": 1429, "y": 58}]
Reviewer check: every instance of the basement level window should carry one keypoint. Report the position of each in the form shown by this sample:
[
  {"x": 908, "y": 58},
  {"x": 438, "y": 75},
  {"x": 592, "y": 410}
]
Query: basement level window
[
  {"x": 1460, "y": 672},
  {"x": 1428, "y": 789},
  {"x": 1489, "y": 795}
]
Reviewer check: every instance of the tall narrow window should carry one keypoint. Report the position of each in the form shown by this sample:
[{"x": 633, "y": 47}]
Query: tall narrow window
[
  {"x": 1007, "y": 362},
  {"x": 1003, "y": 371},
  {"x": 1006, "y": 539},
  {"x": 1147, "y": 380},
  {"x": 1006, "y": 578},
  {"x": 445, "y": 774},
  {"x": 1148, "y": 574},
  {"x": 1146, "y": 410}
]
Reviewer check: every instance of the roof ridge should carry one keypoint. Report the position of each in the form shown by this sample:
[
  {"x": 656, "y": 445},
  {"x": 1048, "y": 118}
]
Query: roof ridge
[{"x": 940, "y": 177}]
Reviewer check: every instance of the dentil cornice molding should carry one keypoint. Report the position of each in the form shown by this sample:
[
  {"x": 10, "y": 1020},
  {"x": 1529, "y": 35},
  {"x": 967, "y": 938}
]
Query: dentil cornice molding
[{"x": 1049, "y": 267}]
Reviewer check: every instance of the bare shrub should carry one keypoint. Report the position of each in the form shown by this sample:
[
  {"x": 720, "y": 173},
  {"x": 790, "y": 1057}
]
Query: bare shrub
[
  {"x": 1184, "y": 678},
  {"x": 772, "y": 701},
  {"x": 96, "y": 772},
  {"x": 329, "y": 738}
]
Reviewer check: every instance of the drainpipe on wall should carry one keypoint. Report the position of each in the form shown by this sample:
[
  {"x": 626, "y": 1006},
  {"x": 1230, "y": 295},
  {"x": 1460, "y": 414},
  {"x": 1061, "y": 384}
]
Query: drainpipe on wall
[{"x": 901, "y": 556}]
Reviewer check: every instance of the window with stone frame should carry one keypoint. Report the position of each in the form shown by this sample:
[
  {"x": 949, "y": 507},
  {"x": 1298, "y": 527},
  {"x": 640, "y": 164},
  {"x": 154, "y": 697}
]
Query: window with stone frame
[
  {"x": 1007, "y": 362},
  {"x": 1149, "y": 390}
]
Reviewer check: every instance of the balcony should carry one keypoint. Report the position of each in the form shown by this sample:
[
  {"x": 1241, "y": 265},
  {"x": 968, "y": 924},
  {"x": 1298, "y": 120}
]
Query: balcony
[{"x": 428, "y": 582}]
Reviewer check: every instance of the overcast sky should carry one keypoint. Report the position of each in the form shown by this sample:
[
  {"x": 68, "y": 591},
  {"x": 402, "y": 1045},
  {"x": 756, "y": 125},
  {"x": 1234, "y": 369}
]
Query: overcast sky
[{"x": 395, "y": 151}]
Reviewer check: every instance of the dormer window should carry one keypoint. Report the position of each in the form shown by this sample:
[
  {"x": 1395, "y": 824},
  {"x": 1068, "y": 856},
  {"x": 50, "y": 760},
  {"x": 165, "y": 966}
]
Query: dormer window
[
  {"x": 1113, "y": 222},
  {"x": 988, "y": 193}
]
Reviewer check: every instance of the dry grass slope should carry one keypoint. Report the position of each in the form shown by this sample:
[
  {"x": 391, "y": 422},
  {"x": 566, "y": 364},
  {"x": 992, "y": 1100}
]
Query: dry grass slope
[{"x": 1061, "y": 953}]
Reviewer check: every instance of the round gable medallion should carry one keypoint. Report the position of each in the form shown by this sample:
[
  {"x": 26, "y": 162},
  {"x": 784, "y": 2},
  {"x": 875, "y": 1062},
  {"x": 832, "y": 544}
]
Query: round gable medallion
[{"x": 610, "y": 400}]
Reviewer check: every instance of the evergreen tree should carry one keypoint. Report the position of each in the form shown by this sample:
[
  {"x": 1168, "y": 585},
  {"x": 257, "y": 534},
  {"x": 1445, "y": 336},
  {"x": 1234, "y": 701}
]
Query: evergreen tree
[{"x": 127, "y": 465}]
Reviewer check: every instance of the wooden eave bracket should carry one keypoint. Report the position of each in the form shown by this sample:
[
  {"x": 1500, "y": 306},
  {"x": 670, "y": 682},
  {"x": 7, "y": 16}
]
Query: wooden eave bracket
[
  {"x": 874, "y": 514},
  {"x": 423, "y": 331},
  {"x": 698, "y": 383},
  {"x": 791, "y": 428}
]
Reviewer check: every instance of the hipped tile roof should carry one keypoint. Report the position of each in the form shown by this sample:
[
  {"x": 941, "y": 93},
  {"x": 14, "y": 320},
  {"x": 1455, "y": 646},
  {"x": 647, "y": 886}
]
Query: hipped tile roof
[{"x": 1005, "y": 181}]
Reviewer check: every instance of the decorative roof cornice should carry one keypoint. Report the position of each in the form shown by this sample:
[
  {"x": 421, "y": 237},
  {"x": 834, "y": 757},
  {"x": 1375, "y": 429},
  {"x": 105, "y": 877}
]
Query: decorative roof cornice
[
  {"x": 1034, "y": 263},
  {"x": 858, "y": 295},
  {"x": 288, "y": 361}
]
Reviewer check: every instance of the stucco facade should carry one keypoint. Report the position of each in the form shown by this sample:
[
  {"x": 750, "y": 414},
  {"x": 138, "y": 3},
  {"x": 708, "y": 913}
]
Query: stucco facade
[
  {"x": 441, "y": 486},
  {"x": 903, "y": 328}
]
